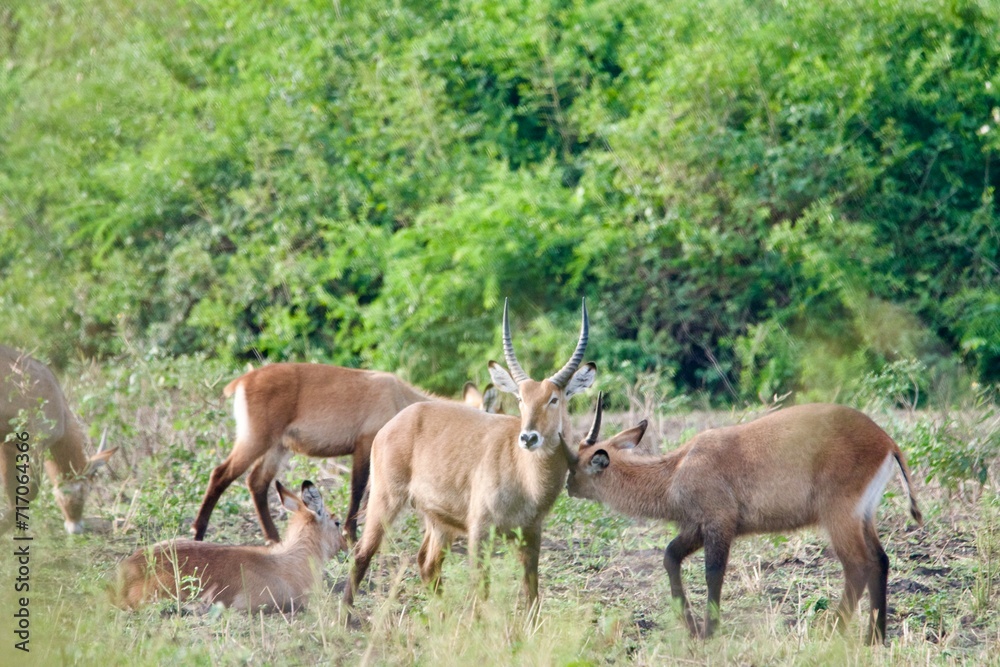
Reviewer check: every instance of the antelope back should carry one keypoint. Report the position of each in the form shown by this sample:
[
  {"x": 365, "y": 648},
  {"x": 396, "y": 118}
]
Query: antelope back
[
  {"x": 784, "y": 470},
  {"x": 440, "y": 440},
  {"x": 329, "y": 405},
  {"x": 28, "y": 389}
]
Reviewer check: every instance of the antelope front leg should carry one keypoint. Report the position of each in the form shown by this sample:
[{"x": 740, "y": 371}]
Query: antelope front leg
[
  {"x": 682, "y": 546},
  {"x": 479, "y": 548},
  {"x": 717, "y": 541},
  {"x": 530, "y": 548}
]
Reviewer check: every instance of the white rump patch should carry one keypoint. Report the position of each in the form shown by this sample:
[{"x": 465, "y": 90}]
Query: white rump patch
[
  {"x": 241, "y": 414},
  {"x": 873, "y": 492}
]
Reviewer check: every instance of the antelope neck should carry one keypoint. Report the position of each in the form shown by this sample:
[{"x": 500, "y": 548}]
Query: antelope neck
[{"x": 640, "y": 486}]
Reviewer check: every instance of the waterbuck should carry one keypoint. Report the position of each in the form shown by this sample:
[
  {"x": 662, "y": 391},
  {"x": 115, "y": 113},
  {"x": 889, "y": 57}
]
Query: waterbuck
[
  {"x": 311, "y": 409},
  {"x": 801, "y": 466},
  {"x": 35, "y": 419},
  {"x": 278, "y": 576},
  {"x": 467, "y": 472}
]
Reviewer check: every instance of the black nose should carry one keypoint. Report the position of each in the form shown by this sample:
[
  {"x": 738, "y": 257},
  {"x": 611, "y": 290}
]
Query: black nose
[{"x": 529, "y": 439}]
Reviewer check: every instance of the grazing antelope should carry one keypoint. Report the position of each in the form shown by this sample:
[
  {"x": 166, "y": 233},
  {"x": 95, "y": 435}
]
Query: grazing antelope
[
  {"x": 311, "y": 409},
  {"x": 800, "y": 466},
  {"x": 33, "y": 404},
  {"x": 278, "y": 576},
  {"x": 466, "y": 471}
]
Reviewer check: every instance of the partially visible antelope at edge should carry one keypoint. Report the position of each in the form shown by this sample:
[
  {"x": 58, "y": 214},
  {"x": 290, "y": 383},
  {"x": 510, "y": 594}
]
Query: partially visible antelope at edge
[
  {"x": 33, "y": 404},
  {"x": 278, "y": 576},
  {"x": 311, "y": 409},
  {"x": 467, "y": 472},
  {"x": 801, "y": 466}
]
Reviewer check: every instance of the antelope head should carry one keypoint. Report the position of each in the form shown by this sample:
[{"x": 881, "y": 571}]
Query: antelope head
[
  {"x": 544, "y": 418},
  {"x": 594, "y": 456},
  {"x": 71, "y": 492},
  {"x": 310, "y": 516}
]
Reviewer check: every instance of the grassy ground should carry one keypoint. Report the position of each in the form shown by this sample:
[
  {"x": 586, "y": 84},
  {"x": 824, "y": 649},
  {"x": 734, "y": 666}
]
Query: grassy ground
[{"x": 605, "y": 598}]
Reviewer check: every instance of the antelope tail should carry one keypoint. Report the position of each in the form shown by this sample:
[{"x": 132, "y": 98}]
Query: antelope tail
[
  {"x": 231, "y": 387},
  {"x": 905, "y": 471}
]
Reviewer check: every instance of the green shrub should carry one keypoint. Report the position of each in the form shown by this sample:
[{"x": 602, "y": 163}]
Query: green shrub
[{"x": 757, "y": 198}]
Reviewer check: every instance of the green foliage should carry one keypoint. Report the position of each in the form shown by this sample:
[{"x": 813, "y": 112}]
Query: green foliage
[
  {"x": 898, "y": 384},
  {"x": 975, "y": 317},
  {"x": 756, "y": 198},
  {"x": 956, "y": 447}
]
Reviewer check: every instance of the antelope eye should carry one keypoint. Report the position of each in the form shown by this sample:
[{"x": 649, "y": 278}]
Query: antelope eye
[{"x": 553, "y": 400}]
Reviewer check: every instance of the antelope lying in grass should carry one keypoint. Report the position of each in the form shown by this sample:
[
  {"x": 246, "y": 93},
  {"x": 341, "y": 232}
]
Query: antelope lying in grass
[
  {"x": 311, "y": 409},
  {"x": 466, "y": 471},
  {"x": 801, "y": 466},
  {"x": 278, "y": 576},
  {"x": 33, "y": 404}
]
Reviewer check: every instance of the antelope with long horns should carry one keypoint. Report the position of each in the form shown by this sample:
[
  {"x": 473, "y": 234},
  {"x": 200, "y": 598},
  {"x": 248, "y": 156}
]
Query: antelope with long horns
[
  {"x": 34, "y": 419},
  {"x": 467, "y": 471},
  {"x": 311, "y": 409},
  {"x": 801, "y": 466},
  {"x": 278, "y": 576}
]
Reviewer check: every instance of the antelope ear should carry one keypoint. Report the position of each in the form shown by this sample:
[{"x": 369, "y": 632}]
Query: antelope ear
[
  {"x": 582, "y": 378},
  {"x": 502, "y": 378},
  {"x": 291, "y": 502},
  {"x": 312, "y": 498},
  {"x": 630, "y": 438},
  {"x": 598, "y": 462},
  {"x": 95, "y": 462},
  {"x": 471, "y": 395},
  {"x": 491, "y": 399}
]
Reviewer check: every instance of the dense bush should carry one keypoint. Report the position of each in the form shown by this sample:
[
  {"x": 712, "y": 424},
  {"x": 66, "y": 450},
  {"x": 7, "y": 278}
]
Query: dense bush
[{"x": 756, "y": 197}]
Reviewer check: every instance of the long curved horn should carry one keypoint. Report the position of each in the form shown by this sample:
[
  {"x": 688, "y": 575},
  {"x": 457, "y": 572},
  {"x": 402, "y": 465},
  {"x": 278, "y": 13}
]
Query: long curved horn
[
  {"x": 595, "y": 430},
  {"x": 562, "y": 377},
  {"x": 508, "y": 351}
]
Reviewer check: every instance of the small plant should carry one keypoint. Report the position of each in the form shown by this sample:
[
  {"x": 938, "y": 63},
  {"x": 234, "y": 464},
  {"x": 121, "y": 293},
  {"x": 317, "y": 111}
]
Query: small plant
[
  {"x": 957, "y": 446},
  {"x": 896, "y": 384},
  {"x": 987, "y": 533}
]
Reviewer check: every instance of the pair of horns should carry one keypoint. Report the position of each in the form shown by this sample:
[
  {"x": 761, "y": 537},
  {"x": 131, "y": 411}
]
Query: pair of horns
[{"x": 566, "y": 372}]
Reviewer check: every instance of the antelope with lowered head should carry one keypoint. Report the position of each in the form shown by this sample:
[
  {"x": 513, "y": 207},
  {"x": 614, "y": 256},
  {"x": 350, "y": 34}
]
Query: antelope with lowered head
[
  {"x": 278, "y": 576},
  {"x": 467, "y": 471},
  {"x": 801, "y": 466},
  {"x": 312, "y": 409},
  {"x": 32, "y": 400}
]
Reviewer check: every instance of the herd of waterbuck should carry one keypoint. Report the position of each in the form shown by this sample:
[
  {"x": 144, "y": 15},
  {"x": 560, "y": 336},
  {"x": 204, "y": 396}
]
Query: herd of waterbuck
[{"x": 467, "y": 469}]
